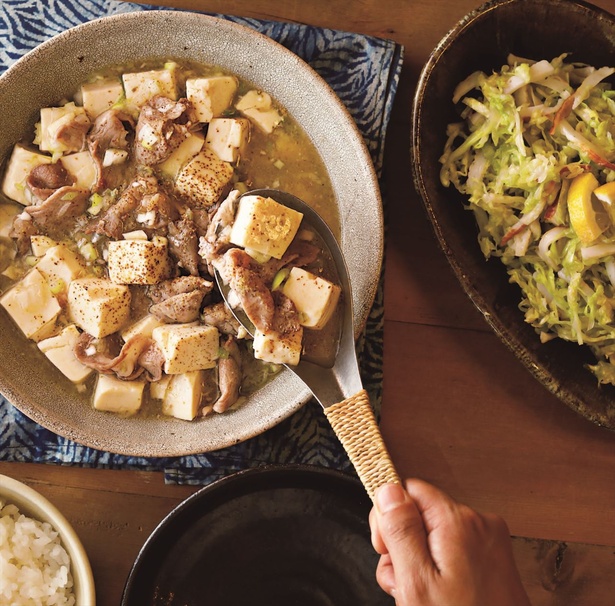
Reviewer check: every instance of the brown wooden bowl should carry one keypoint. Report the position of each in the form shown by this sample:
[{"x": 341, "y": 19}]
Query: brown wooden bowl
[{"x": 537, "y": 29}]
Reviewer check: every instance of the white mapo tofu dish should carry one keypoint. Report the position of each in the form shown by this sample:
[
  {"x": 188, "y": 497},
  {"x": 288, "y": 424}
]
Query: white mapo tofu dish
[{"x": 115, "y": 211}]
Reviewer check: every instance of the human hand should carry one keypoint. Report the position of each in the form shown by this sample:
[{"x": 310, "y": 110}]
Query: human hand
[{"x": 437, "y": 552}]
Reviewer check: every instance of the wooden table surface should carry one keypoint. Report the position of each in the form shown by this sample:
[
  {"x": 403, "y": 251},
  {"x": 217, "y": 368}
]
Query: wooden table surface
[{"x": 458, "y": 410}]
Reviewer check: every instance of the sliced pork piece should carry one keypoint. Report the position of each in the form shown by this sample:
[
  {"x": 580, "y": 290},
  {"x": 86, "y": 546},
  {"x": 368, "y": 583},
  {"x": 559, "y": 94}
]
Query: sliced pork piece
[
  {"x": 101, "y": 354},
  {"x": 152, "y": 360},
  {"x": 184, "y": 245},
  {"x": 241, "y": 273},
  {"x": 72, "y": 133},
  {"x": 114, "y": 221},
  {"x": 221, "y": 317},
  {"x": 157, "y": 210},
  {"x": 181, "y": 308},
  {"x": 217, "y": 237},
  {"x": 299, "y": 254},
  {"x": 111, "y": 130},
  {"x": 22, "y": 229},
  {"x": 45, "y": 179},
  {"x": 285, "y": 317},
  {"x": 200, "y": 217},
  {"x": 59, "y": 211},
  {"x": 97, "y": 353},
  {"x": 162, "y": 126},
  {"x": 229, "y": 375},
  {"x": 184, "y": 284}
]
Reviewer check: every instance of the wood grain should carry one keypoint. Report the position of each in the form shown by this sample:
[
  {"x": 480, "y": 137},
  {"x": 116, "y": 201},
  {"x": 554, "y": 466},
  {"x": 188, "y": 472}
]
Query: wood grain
[
  {"x": 458, "y": 409},
  {"x": 114, "y": 512}
]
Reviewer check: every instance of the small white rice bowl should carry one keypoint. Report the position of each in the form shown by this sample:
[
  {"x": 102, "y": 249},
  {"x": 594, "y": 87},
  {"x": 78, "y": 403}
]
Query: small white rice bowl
[
  {"x": 34, "y": 566},
  {"x": 42, "y": 561}
]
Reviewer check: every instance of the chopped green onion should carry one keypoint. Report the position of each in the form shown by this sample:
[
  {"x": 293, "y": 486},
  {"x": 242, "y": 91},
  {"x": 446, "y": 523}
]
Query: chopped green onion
[
  {"x": 96, "y": 204},
  {"x": 89, "y": 252},
  {"x": 279, "y": 278},
  {"x": 57, "y": 286}
]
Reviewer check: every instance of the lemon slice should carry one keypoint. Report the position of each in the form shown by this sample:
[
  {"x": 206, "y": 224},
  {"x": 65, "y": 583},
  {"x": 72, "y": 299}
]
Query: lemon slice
[
  {"x": 588, "y": 215},
  {"x": 606, "y": 194}
]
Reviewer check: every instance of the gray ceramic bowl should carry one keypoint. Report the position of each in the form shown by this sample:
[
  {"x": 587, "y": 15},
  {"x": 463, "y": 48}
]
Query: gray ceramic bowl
[
  {"x": 56, "y": 68},
  {"x": 539, "y": 29}
]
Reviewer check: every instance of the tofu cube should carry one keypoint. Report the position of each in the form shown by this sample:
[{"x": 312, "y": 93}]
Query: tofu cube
[
  {"x": 265, "y": 226},
  {"x": 315, "y": 298},
  {"x": 278, "y": 348},
  {"x": 60, "y": 265},
  {"x": 182, "y": 397},
  {"x": 187, "y": 347},
  {"x": 19, "y": 166},
  {"x": 98, "y": 306},
  {"x": 157, "y": 389},
  {"x": 53, "y": 120},
  {"x": 211, "y": 96},
  {"x": 8, "y": 212},
  {"x": 140, "y": 87},
  {"x": 186, "y": 150},
  {"x": 101, "y": 95},
  {"x": 204, "y": 178},
  {"x": 115, "y": 395},
  {"x": 258, "y": 106},
  {"x": 41, "y": 244},
  {"x": 138, "y": 261},
  {"x": 145, "y": 326},
  {"x": 60, "y": 350},
  {"x": 81, "y": 167},
  {"x": 228, "y": 137},
  {"x": 32, "y": 306}
]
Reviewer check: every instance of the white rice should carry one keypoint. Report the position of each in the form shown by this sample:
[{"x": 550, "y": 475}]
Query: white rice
[{"x": 34, "y": 566}]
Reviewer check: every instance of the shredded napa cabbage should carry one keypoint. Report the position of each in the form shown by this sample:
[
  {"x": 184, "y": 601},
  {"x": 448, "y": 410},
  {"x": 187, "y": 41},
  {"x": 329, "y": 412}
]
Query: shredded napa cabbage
[{"x": 525, "y": 133}]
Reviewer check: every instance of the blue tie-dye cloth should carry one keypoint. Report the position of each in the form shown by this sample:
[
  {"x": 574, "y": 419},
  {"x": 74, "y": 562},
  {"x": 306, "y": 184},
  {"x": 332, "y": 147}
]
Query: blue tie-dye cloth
[{"x": 364, "y": 72}]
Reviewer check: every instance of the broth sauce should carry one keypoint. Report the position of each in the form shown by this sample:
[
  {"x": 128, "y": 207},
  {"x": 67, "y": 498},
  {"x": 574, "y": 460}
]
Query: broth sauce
[{"x": 284, "y": 158}]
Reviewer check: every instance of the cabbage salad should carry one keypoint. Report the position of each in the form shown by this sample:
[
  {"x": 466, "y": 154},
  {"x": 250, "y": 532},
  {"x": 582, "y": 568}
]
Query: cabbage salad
[{"x": 534, "y": 153}]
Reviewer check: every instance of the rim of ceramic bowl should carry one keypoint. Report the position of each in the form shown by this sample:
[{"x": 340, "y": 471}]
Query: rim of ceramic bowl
[
  {"x": 286, "y": 394},
  {"x": 549, "y": 378},
  {"x": 33, "y": 504}
]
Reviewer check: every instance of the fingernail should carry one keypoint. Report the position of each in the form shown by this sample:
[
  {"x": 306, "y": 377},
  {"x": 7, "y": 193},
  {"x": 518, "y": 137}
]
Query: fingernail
[{"x": 389, "y": 496}]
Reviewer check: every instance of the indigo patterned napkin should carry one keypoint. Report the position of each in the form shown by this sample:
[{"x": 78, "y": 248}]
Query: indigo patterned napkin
[{"x": 364, "y": 72}]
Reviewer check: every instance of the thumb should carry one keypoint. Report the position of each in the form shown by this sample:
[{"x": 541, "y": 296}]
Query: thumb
[{"x": 402, "y": 530}]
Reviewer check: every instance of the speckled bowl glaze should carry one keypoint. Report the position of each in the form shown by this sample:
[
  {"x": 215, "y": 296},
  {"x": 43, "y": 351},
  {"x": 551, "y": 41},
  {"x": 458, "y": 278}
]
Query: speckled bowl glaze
[
  {"x": 538, "y": 29},
  {"x": 34, "y": 505},
  {"x": 56, "y": 68}
]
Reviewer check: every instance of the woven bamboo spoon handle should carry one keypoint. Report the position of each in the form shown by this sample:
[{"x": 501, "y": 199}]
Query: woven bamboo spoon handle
[{"x": 355, "y": 425}]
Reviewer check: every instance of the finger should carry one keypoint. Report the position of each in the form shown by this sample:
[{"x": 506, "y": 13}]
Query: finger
[
  {"x": 453, "y": 530},
  {"x": 385, "y": 575},
  {"x": 401, "y": 528},
  {"x": 428, "y": 497},
  {"x": 376, "y": 537},
  {"x": 435, "y": 506}
]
